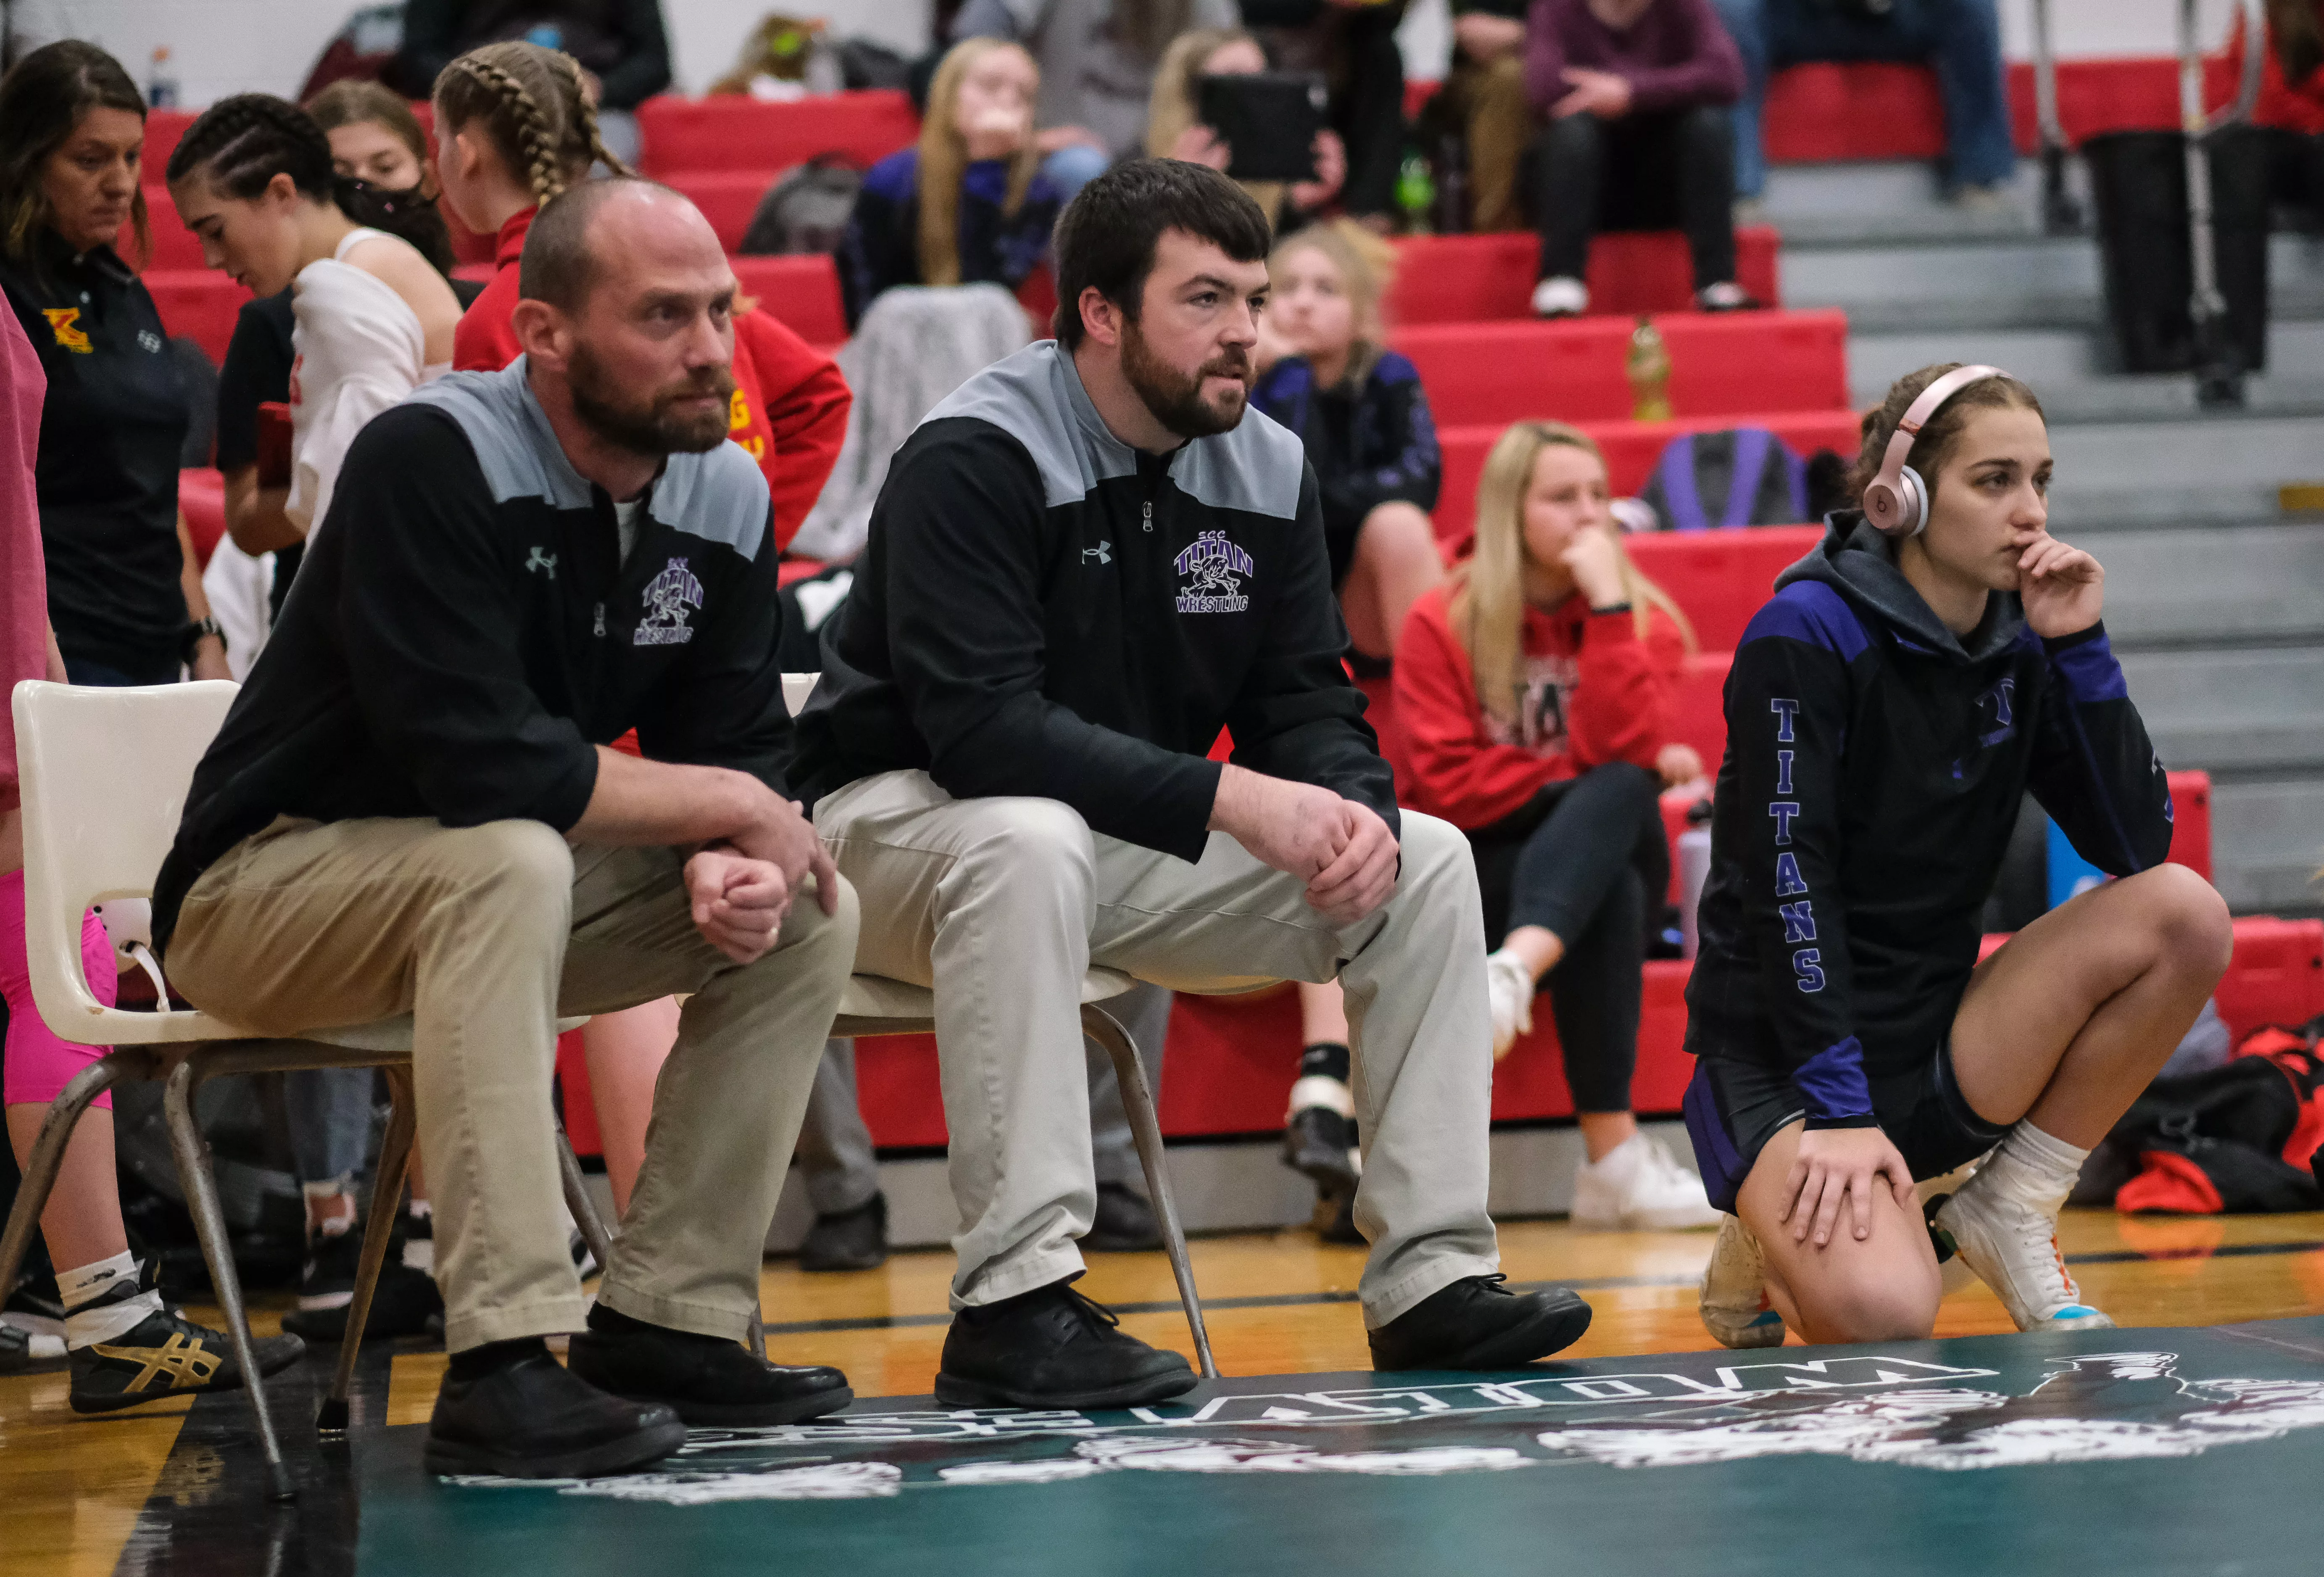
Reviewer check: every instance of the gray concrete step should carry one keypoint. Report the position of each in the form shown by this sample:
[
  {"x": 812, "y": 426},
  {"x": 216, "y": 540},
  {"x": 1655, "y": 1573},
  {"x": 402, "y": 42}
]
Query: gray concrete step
[
  {"x": 2233, "y": 711},
  {"x": 1856, "y": 205},
  {"x": 2218, "y": 587},
  {"x": 2073, "y": 370},
  {"x": 2184, "y": 471},
  {"x": 2268, "y": 842},
  {"x": 2026, "y": 282}
]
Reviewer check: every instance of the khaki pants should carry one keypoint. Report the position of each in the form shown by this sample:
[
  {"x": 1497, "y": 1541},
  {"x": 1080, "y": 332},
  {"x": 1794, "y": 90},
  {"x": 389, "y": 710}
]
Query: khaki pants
[
  {"x": 1000, "y": 905},
  {"x": 1488, "y": 101},
  {"x": 486, "y": 935}
]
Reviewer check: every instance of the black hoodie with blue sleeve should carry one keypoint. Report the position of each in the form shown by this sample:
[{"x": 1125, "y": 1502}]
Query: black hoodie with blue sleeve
[{"x": 1874, "y": 764}]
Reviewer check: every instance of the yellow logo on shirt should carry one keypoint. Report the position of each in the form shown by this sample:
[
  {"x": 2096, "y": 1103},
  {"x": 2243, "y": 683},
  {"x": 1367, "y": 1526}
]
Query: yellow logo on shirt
[
  {"x": 62, "y": 320},
  {"x": 739, "y": 420}
]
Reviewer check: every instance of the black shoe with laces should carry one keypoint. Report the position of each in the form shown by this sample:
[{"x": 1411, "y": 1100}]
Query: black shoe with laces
[
  {"x": 1477, "y": 1323},
  {"x": 848, "y": 1240},
  {"x": 1321, "y": 1144},
  {"x": 1123, "y": 1223},
  {"x": 164, "y": 1354},
  {"x": 707, "y": 1380},
  {"x": 533, "y": 1419},
  {"x": 1337, "y": 1220},
  {"x": 1053, "y": 1348}
]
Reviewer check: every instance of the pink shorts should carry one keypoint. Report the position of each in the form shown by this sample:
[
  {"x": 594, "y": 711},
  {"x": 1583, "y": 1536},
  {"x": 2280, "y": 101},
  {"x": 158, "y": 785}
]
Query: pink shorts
[{"x": 38, "y": 1064}]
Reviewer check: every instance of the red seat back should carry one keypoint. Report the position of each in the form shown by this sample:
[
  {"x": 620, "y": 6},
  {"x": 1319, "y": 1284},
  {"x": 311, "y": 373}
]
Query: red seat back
[{"x": 735, "y": 132}]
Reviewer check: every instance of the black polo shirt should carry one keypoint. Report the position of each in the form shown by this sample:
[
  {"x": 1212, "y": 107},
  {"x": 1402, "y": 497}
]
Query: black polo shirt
[{"x": 111, "y": 433}]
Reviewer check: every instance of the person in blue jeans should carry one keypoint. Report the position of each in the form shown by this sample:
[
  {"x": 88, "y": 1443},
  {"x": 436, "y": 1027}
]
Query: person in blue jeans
[{"x": 1960, "y": 38}]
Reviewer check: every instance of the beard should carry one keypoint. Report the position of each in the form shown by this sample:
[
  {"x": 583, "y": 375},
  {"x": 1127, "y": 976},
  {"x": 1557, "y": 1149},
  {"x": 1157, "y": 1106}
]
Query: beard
[
  {"x": 649, "y": 425},
  {"x": 1175, "y": 398}
]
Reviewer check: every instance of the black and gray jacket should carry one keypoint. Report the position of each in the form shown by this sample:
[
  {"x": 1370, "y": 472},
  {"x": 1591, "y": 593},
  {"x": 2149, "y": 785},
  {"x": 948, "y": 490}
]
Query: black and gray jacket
[
  {"x": 464, "y": 633},
  {"x": 1042, "y": 610},
  {"x": 1875, "y": 765}
]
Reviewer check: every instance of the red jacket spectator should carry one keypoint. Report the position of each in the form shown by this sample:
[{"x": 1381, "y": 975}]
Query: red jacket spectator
[
  {"x": 1598, "y": 693},
  {"x": 790, "y": 400},
  {"x": 2293, "y": 106},
  {"x": 1676, "y": 55}
]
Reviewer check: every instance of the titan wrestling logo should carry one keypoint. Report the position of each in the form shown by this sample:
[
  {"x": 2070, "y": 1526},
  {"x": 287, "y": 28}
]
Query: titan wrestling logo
[
  {"x": 671, "y": 595},
  {"x": 1213, "y": 563},
  {"x": 2111, "y": 1407}
]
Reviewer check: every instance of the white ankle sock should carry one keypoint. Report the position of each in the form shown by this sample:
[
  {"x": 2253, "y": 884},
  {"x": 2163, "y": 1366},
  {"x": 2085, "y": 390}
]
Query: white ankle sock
[
  {"x": 2047, "y": 1165},
  {"x": 85, "y": 1327}
]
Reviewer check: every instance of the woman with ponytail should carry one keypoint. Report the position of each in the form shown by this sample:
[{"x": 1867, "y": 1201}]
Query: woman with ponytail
[
  {"x": 514, "y": 128},
  {"x": 1534, "y": 687},
  {"x": 252, "y": 178},
  {"x": 968, "y": 205}
]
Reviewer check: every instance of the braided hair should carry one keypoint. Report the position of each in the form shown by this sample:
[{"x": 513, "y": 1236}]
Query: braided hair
[
  {"x": 533, "y": 105},
  {"x": 242, "y": 142}
]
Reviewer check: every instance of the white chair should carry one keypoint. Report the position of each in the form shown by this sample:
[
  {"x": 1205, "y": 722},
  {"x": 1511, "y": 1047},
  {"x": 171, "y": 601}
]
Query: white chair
[
  {"x": 106, "y": 774},
  {"x": 873, "y": 1004}
]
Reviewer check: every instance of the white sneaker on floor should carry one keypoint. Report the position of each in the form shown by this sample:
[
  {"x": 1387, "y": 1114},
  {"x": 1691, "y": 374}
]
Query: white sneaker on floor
[
  {"x": 1638, "y": 1187},
  {"x": 1734, "y": 1299},
  {"x": 1561, "y": 297},
  {"x": 1509, "y": 989},
  {"x": 2011, "y": 1242}
]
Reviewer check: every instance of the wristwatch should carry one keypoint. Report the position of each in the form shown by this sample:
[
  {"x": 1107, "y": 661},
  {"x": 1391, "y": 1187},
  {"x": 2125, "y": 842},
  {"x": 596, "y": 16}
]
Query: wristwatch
[{"x": 195, "y": 629}]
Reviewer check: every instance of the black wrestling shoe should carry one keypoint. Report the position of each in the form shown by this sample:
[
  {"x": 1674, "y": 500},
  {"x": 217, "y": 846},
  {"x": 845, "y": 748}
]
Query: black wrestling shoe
[
  {"x": 1478, "y": 1324},
  {"x": 850, "y": 1239},
  {"x": 405, "y": 1302},
  {"x": 707, "y": 1380},
  {"x": 1321, "y": 1144},
  {"x": 1052, "y": 1348},
  {"x": 532, "y": 1419},
  {"x": 1123, "y": 1223},
  {"x": 165, "y": 1355}
]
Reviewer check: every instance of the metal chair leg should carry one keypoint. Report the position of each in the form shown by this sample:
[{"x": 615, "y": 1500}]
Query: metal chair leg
[
  {"x": 387, "y": 1195},
  {"x": 47, "y": 1156},
  {"x": 209, "y": 1224},
  {"x": 593, "y": 1232},
  {"x": 1146, "y": 1128}
]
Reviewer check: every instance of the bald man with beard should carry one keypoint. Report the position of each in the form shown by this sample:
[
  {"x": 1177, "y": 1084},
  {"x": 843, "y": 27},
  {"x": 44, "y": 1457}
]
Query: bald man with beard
[{"x": 412, "y": 808}]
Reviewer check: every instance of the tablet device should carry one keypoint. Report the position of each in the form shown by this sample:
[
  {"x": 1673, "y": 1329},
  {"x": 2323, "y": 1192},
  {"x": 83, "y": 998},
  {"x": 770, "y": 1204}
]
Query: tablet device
[{"x": 1268, "y": 119}]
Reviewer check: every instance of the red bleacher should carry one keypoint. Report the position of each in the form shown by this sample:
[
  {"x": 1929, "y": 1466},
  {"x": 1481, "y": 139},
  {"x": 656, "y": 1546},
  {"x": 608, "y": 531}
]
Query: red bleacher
[
  {"x": 734, "y": 132},
  {"x": 1466, "y": 279},
  {"x": 1631, "y": 449},
  {"x": 1721, "y": 364}
]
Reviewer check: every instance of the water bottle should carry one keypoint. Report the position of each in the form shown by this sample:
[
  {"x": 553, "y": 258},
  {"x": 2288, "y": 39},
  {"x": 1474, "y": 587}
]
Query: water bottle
[
  {"x": 1693, "y": 870},
  {"x": 161, "y": 91},
  {"x": 1414, "y": 190}
]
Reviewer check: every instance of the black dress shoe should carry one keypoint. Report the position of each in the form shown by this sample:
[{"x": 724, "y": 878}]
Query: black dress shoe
[
  {"x": 533, "y": 1419},
  {"x": 709, "y": 1381},
  {"x": 1052, "y": 1348},
  {"x": 1321, "y": 1144},
  {"x": 1123, "y": 1223},
  {"x": 1478, "y": 1324},
  {"x": 850, "y": 1239},
  {"x": 1339, "y": 1225},
  {"x": 405, "y": 1302}
]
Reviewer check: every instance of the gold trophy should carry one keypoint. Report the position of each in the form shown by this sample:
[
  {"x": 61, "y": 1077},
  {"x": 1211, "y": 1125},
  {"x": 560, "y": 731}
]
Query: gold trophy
[{"x": 1649, "y": 370}]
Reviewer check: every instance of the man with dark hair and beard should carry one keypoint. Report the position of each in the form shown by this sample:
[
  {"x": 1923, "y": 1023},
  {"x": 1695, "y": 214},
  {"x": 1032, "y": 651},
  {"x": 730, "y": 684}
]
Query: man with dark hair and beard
[
  {"x": 1085, "y": 563},
  {"x": 411, "y": 809}
]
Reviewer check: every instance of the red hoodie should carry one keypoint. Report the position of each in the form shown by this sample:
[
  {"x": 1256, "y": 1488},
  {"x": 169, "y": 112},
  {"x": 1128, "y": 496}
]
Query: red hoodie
[
  {"x": 1595, "y": 692},
  {"x": 791, "y": 402}
]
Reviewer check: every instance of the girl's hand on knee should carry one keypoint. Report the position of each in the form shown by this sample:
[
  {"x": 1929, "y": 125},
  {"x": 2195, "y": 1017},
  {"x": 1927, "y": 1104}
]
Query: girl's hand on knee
[{"x": 1837, "y": 1164}]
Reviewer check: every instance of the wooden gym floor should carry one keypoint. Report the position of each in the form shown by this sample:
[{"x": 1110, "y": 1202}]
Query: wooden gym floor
[{"x": 137, "y": 1492}]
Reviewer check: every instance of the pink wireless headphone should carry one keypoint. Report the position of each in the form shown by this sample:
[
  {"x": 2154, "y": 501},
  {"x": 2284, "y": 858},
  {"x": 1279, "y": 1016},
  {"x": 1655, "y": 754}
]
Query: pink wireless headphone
[{"x": 1896, "y": 500}]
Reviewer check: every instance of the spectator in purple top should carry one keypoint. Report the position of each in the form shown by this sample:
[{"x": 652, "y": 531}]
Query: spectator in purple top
[{"x": 1636, "y": 95}]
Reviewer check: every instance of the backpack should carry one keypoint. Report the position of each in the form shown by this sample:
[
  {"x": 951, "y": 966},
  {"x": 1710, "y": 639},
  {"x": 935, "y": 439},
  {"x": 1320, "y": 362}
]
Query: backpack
[
  {"x": 806, "y": 210},
  {"x": 2247, "y": 1136},
  {"x": 1754, "y": 476}
]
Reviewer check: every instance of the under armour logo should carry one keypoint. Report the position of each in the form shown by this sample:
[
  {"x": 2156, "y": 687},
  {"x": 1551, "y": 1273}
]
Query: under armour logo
[
  {"x": 544, "y": 562},
  {"x": 185, "y": 1361},
  {"x": 1102, "y": 553}
]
